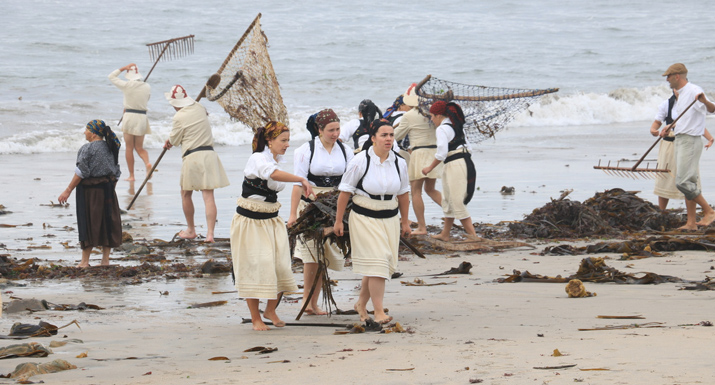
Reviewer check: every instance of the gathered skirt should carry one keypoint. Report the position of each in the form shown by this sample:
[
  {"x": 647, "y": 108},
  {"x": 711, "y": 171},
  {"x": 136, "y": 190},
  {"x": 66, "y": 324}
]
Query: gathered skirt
[
  {"x": 307, "y": 251},
  {"x": 202, "y": 170},
  {"x": 260, "y": 253},
  {"x": 665, "y": 183},
  {"x": 454, "y": 188},
  {"x": 419, "y": 159},
  {"x": 99, "y": 222},
  {"x": 374, "y": 241}
]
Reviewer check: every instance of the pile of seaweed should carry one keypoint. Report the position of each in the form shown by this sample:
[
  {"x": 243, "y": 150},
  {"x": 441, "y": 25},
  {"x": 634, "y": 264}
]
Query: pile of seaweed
[
  {"x": 639, "y": 248},
  {"x": 611, "y": 212},
  {"x": 316, "y": 222},
  {"x": 593, "y": 269}
]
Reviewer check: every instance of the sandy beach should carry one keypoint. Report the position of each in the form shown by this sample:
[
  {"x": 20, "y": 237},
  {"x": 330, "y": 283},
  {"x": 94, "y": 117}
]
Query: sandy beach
[{"x": 470, "y": 329}]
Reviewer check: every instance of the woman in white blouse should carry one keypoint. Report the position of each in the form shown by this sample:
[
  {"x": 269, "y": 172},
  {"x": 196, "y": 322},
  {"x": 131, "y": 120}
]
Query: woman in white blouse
[
  {"x": 323, "y": 162},
  {"x": 259, "y": 239},
  {"x": 459, "y": 175},
  {"x": 377, "y": 180}
]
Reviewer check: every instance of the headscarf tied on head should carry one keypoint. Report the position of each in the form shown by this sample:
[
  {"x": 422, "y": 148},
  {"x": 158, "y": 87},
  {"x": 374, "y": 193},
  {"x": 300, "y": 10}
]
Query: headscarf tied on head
[
  {"x": 395, "y": 105},
  {"x": 269, "y": 132},
  {"x": 326, "y": 117},
  {"x": 101, "y": 129},
  {"x": 450, "y": 110},
  {"x": 374, "y": 128}
]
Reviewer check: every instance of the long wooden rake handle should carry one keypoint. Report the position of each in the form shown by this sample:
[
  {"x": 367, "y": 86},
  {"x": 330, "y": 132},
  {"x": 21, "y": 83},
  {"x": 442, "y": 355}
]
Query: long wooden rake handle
[
  {"x": 659, "y": 137},
  {"x": 212, "y": 82}
]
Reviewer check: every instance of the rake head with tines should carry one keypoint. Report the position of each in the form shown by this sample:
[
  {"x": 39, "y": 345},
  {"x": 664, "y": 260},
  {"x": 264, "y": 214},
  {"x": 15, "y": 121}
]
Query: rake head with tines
[
  {"x": 633, "y": 172},
  {"x": 169, "y": 50}
]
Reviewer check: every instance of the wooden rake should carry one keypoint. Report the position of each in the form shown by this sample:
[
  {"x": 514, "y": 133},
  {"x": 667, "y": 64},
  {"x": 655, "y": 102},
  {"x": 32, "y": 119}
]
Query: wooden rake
[{"x": 644, "y": 173}]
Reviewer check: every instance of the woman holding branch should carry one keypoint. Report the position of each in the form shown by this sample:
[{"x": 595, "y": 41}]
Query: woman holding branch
[
  {"x": 377, "y": 180},
  {"x": 259, "y": 239}
]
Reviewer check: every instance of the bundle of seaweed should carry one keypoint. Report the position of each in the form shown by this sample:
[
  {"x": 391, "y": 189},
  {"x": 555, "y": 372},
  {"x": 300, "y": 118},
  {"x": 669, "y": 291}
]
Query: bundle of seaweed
[
  {"x": 593, "y": 269},
  {"x": 609, "y": 213},
  {"x": 638, "y": 248},
  {"x": 316, "y": 221}
]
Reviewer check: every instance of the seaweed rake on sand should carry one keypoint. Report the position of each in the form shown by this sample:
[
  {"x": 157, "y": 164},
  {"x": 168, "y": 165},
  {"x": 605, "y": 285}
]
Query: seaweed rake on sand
[{"x": 647, "y": 172}]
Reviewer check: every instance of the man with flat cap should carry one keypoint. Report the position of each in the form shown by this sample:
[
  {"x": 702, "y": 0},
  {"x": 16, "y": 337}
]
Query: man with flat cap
[{"x": 688, "y": 143}]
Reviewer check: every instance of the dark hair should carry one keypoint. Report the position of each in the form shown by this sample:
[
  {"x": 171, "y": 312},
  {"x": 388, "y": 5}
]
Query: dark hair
[
  {"x": 311, "y": 126},
  {"x": 269, "y": 132},
  {"x": 369, "y": 112},
  {"x": 374, "y": 128},
  {"x": 455, "y": 114}
]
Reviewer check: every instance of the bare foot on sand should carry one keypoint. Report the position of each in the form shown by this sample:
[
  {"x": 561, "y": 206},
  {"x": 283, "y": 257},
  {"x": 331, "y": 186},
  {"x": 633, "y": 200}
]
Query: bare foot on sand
[
  {"x": 383, "y": 320},
  {"x": 362, "y": 312},
  {"x": 688, "y": 228},
  {"x": 83, "y": 265},
  {"x": 314, "y": 310},
  {"x": 420, "y": 232},
  {"x": 209, "y": 239},
  {"x": 440, "y": 237},
  {"x": 186, "y": 234},
  {"x": 707, "y": 220},
  {"x": 130, "y": 179},
  {"x": 277, "y": 322},
  {"x": 474, "y": 238},
  {"x": 258, "y": 325}
]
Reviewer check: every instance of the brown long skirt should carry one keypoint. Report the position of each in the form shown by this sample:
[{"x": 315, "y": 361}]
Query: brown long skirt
[{"x": 98, "y": 218}]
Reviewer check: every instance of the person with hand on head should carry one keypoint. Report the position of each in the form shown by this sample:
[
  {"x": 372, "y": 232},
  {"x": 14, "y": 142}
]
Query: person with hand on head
[
  {"x": 135, "y": 123},
  {"x": 376, "y": 180},
  {"x": 322, "y": 161},
  {"x": 688, "y": 143},
  {"x": 259, "y": 238},
  {"x": 201, "y": 168},
  {"x": 98, "y": 217},
  {"x": 459, "y": 174}
]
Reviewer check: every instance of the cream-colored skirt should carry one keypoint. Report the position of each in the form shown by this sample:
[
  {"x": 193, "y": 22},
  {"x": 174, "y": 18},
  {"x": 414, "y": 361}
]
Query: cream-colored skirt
[
  {"x": 419, "y": 159},
  {"x": 260, "y": 252},
  {"x": 374, "y": 241},
  {"x": 307, "y": 251},
  {"x": 202, "y": 170},
  {"x": 135, "y": 124},
  {"x": 665, "y": 183},
  {"x": 454, "y": 188}
]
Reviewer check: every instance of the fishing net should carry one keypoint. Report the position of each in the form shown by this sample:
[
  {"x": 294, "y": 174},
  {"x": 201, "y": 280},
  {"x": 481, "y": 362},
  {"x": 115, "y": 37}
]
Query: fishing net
[
  {"x": 487, "y": 110},
  {"x": 249, "y": 90}
]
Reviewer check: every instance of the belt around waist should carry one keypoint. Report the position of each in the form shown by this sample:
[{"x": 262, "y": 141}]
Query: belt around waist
[
  {"x": 135, "y": 111},
  {"x": 457, "y": 156},
  {"x": 669, "y": 138},
  {"x": 381, "y": 214},
  {"x": 193, "y": 150},
  {"x": 254, "y": 214},
  {"x": 418, "y": 147}
]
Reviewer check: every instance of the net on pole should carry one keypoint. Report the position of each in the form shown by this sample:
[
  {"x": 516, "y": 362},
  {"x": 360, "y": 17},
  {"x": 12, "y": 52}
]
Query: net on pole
[
  {"x": 248, "y": 90},
  {"x": 487, "y": 110}
]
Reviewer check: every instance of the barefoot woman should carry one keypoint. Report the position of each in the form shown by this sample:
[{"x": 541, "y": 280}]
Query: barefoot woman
[
  {"x": 459, "y": 174},
  {"x": 98, "y": 218},
  {"x": 322, "y": 161},
  {"x": 377, "y": 180},
  {"x": 259, "y": 239}
]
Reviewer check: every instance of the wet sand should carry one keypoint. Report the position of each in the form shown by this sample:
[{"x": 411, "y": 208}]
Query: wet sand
[{"x": 471, "y": 329}]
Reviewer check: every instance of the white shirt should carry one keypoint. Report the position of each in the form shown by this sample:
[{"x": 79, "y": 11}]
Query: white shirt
[
  {"x": 663, "y": 112},
  {"x": 398, "y": 117},
  {"x": 324, "y": 163},
  {"x": 381, "y": 178},
  {"x": 347, "y": 131},
  {"x": 693, "y": 122},
  {"x": 445, "y": 134},
  {"x": 261, "y": 165}
]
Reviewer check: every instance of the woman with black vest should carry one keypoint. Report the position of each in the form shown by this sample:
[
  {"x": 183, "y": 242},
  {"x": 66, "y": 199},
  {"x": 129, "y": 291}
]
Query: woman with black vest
[
  {"x": 322, "y": 161},
  {"x": 356, "y": 131},
  {"x": 377, "y": 180},
  {"x": 459, "y": 175},
  {"x": 259, "y": 239}
]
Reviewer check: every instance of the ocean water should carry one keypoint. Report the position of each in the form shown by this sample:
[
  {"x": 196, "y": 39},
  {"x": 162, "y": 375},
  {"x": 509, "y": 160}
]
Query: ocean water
[{"x": 606, "y": 57}]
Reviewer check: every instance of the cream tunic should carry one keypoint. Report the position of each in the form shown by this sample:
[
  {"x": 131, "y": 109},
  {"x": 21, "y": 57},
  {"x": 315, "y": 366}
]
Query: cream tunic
[
  {"x": 201, "y": 170},
  {"x": 136, "y": 97},
  {"x": 422, "y": 133}
]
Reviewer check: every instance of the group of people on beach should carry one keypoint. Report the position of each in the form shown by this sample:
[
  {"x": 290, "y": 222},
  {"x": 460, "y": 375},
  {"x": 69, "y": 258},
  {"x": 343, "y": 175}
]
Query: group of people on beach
[
  {"x": 681, "y": 146},
  {"x": 361, "y": 160}
]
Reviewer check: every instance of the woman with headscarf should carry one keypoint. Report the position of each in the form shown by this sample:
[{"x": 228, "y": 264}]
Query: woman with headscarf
[
  {"x": 376, "y": 179},
  {"x": 259, "y": 239},
  {"x": 95, "y": 177},
  {"x": 423, "y": 146},
  {"x": 357, "y": 130},
  {"x": 459, "y": 175},
  {"x": 322, "y": 161}
]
